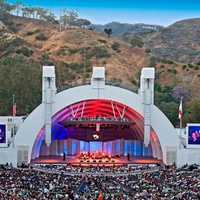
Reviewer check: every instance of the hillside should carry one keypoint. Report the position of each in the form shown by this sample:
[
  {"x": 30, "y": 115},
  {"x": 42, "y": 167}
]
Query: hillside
[
  {"x": 73, "y": 52},
  {"x": 178, "y": 42},
  {"x": 72, "y": 45}
]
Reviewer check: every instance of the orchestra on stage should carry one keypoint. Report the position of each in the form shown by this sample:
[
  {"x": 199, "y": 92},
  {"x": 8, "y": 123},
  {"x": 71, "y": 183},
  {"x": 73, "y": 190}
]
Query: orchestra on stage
[{"x": 86, "y": 155}]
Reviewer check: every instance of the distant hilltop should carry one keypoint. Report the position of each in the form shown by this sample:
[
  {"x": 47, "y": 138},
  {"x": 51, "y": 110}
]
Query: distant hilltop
[{"x": 120, "y": 28}]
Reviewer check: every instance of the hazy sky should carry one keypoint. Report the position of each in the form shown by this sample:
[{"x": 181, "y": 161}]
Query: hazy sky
[{"x": 125, "y": 11}]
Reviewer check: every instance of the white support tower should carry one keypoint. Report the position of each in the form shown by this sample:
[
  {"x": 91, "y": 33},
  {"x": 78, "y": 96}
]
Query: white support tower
[
  {"x": 48, "y": 98},
  {"x": 147, "y": 92},
  {"x": 98, "y": 82}
]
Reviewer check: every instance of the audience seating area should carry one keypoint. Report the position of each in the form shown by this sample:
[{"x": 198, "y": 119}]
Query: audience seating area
[{"x": 126, "y": 182}]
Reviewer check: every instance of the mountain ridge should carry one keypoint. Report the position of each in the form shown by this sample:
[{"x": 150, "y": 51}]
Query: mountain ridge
[
  {"x": 119, "y": 28},
  {"x": 178, "y": 42}
]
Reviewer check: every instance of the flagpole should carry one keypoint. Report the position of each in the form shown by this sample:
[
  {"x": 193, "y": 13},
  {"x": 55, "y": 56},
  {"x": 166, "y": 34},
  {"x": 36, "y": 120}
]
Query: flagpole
[
  {"x": 13, "y": 139},
  {"x": 180, "y": 132},
  {"x": 181, "y": 116}
]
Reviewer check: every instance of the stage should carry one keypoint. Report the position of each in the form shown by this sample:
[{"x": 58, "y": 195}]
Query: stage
[{"x": 112, "y": 161}]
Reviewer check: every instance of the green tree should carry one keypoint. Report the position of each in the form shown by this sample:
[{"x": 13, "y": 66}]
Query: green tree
[
  {"x": 18, "y": 7},
  {"x": 162, "y": 97},
  {"x": 6, "y": 7},
  {"x": 137, "y": 42},
  {"x": 108, "y": 32},
  {"x": 68, "y": 17},
  {"x": 170, "y": 109},
  {"x": 192, "y": 113},
  {"x": 82, "y": 23},
  {"x": 157, "y": 87},
  {"x": 2, "y": 3},
  {"x": 63, "y": 17},
  {"x": 23, "y": 79}
]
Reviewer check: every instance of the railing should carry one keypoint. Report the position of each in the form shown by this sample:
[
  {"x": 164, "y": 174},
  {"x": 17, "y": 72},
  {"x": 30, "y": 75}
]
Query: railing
[{"x": 114, "y": 173}]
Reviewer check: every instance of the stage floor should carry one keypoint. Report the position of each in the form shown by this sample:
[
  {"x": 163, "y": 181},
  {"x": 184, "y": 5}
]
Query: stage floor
[{"x": 73, "y": 160}]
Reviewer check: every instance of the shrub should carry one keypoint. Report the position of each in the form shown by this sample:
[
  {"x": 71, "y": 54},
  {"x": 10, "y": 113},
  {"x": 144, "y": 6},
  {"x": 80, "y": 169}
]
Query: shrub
[
  {"x": 98, "y": 52},
  {"x": 61, "y": 51},
  {"x": 89, "y": 69},
  {"x": 196, "y": 68},
  {"x": 12, "y": 28},
  {"x": 157, "y": 87},
  {"x": 72, "y": 51},
  {"x": 19, "y": 24},
  {"x": 8, "y": 23},
  {"x": 167, "y": 61},
  {"x": 198, "y": 63},
  {"x": 102, "y": 53},
  {"x": 172, "y": 70},
  {"x": 37, "y": 31},
  {"x": 16, "y": 42},
  {"x": 157, "y": 75},
  {"x": 26, "y": 52},
  {"x": 45, "y": 56},
  {"x": 184, "y": 66},
  {"x": 11, "y": 44},
  {"x": 162, "y": 66},
  {"x": 87, "y": 75},
  {"x": 41, "y": 37},
  {"x": 102, "y": 41},
  {"x": 133, "y": 80},
  {"x": 148, "y": 50},
  {"x": 30, "y": 33},
  {"x": 152, "y": 62},
  {"x": 86, "y": 63},
  {"x": 170, "y": 62},
  {"x": 115, "y": 46},
  {"x": 18, "y": 51},
  {"x": 74, "y": 65},
  {"x": 190, "y": 65},
  {"x": 104, "y": 62},
  {"x": 116, "y": 81}
]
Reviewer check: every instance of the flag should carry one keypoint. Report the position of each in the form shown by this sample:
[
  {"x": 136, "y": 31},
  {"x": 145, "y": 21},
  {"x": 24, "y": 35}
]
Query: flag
[
  {"x": 14, "y": 106},
  {"x": 180, "y": 110}
]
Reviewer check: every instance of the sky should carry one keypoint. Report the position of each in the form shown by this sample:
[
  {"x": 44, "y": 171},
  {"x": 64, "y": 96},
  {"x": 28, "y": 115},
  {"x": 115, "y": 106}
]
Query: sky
[{"x": 102, "y": 12}]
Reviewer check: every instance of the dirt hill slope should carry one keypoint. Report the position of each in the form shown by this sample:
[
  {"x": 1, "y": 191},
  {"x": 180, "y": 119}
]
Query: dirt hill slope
[
  {"x": 75, "y": 45},
  {"x": 179, "y": 42}
]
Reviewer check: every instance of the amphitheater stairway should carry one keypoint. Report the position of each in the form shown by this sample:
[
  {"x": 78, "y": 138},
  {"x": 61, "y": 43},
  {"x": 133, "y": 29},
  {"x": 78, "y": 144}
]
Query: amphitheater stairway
[{"x": 81, "y": 188}]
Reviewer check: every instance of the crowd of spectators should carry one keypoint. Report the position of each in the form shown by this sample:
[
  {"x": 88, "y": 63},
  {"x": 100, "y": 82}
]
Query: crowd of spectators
[
  {"x": 97, "y": 169},
  {"x": 124, "y": 183},
  {"x": 168, "y": 184},
  {"x": 31, "y": 184}
]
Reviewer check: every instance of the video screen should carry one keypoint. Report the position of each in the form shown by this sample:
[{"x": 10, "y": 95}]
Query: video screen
[
  {"x": 2, "y": 134},
  {"x": 194, "y": 134}
]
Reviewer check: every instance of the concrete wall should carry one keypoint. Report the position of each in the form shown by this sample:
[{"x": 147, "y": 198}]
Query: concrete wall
[
  {"x": 8, "y": 155},
  {"x": 189, "y": 156}
]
